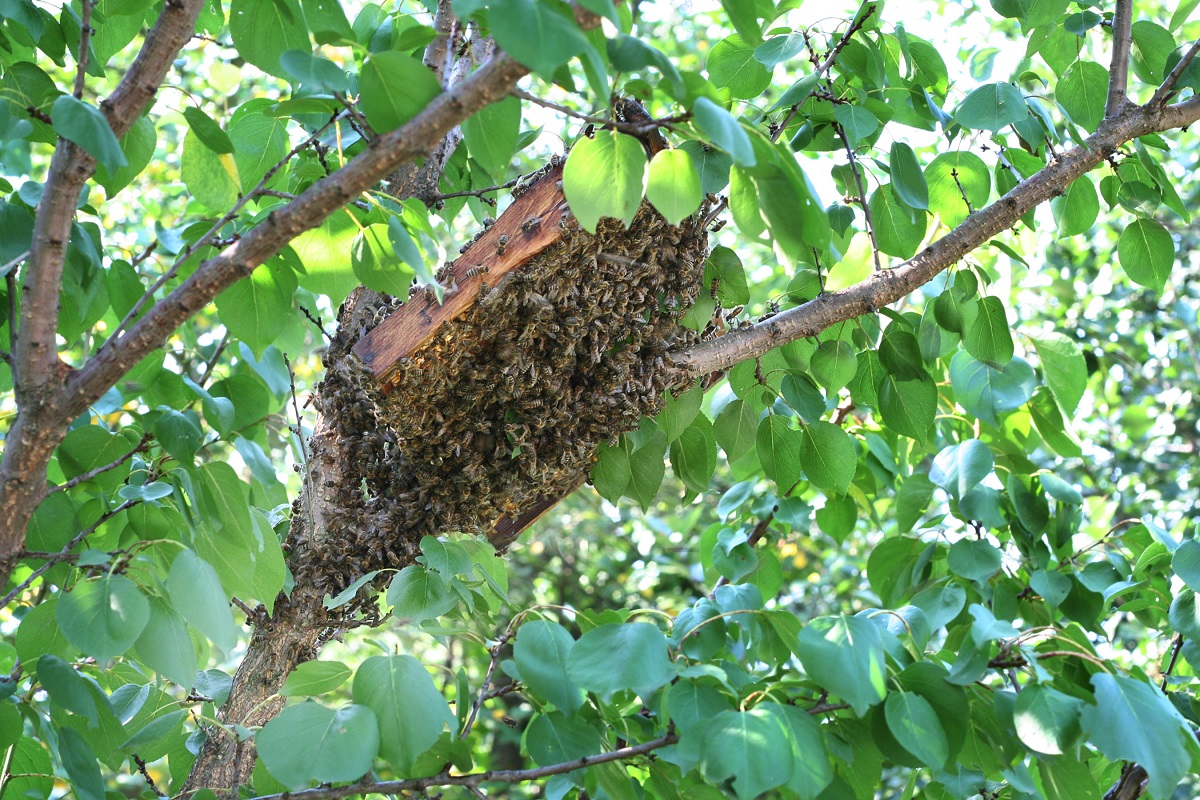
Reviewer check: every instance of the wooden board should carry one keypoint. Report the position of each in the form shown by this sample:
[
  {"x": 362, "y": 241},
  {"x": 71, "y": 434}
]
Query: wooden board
[{"x": 529, "y": 225}]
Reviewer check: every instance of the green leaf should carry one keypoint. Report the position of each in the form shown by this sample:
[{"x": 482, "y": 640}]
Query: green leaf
[
  {"x": 845, "y": 656},
  {"x": 1064, "y": 368},
  {"x": 554, "y": 738},
  {"x": 311, "y": 70},
  {"x": 1184, "y": 615},
  {"x": 988, "y": 337},
  {"x": 258, "y": 308},
  {"x": 829, "y": 457},
  {"x": 992, "y": 107},
  {"x": 103, "y": 617},
  {"x": 916, "y": 726},
  {"x": 327, "y": 21},
  {"x": 811, "y": 767},
  {"x": 410, "y": 710},
  {"x": 673, "y": 186},
  {"x": 724, "y": 266},
  {"x": 857, "y": 122},
  {"x": 165, "y": 645},
  {"x": 744, "y": 15},
  {"x": 611, "y": 473},
  {"x": 416, "y": 594},
  {"x": 987, "y": 392},
  {"x": 780, "y": 451},
  {"x": 376, "y": 263},
  {"x": 777, "y": 49},
  {"x": 1152, "y": 44},
  {"x": 973, "y": 559},
  {"x": 1076, "y": 210},
  {"x": 84, "y": 125},
  {"x": 196, "y": 593},
  {"x": 725, "y": 132},
  {"x": 908, "y": 407},
  {"x": 605, "y": 177},
  {"x": 89, "y": 447},
  {"x": 207, "y": 130},
  {"x": 1186, "y": 563},
  {"x": 1134, "y": 721},
  {"x": 263, "y": 30},
  {"x": 694, "y": 454},
  {"x": 491, "y": 136},
  {"x": 393, "y": 88},
  {"x": 68, "y": 689},
  {"x": 958, "y": 468},
  {"x": 80, "y": 764},
  {"x": 541, "y": 652},
  {"x": 647, "y": 469},
  {"x": 946, "y": 173},
  {"x": 210, "y": 178},
  {"x": 138, "y": 146},
  {"x": 913, "y": 500},
  {"x": 260, "y": 142},
  {"x": 538, "y": 35},
  {"x": 1047, "y": 720},
  {"x": 749, "y": 747},
  {"x": 908, "y": 181},
  {"x": 315, "y": 677},
  {"x": 448, "y": 558},
  {"x": 309, "y": 742},
  {"x": 325, "y": 253},
  {"x": 1082, "y": 93},
  {"x": 613, "y": 657},
  {"x": 834, "y": 364},
  {"x": 732, "y": 65},
  {"x": 899, "y": 230},
  {"x": 1147, "y": 253},
  {"x": 798, "y": 92},
  {"x": 735, "y": 429},
  {"x": 226, "y": 538}
]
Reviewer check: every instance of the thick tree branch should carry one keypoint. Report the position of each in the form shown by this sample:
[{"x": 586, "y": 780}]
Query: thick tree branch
[
  {"x": 1118, "y": 71},
  {"x": 890, "y": 285}
]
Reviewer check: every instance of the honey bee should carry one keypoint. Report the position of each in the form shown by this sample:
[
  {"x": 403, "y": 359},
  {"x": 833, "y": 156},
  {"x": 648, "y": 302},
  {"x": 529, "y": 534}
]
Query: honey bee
[{"x": 502, "y": 244}]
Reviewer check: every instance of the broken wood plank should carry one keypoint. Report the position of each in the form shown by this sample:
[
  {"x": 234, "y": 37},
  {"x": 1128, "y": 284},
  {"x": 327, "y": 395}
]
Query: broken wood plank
[{"x": 527, "y": 227}]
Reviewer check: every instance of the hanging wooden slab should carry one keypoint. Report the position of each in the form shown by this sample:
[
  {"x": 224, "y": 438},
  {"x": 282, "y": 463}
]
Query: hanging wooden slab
[{"x": 527, "y": 227}]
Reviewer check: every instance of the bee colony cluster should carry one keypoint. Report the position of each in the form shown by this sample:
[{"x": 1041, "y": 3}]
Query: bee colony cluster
[{"x": 508, "y": 402}]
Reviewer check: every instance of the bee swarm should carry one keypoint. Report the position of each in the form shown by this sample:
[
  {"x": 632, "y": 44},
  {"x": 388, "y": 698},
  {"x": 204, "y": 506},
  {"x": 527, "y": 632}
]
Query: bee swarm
[{"x": 508, "y": 402}]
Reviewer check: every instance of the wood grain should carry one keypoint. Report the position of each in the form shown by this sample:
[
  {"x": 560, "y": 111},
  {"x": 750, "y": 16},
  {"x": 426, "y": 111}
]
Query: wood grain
[{"x": 530, "y": 223}]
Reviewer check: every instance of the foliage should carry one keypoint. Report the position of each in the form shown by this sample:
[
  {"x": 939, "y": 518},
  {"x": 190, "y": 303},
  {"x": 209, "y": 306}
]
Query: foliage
[{"x": 934, "y": 538}]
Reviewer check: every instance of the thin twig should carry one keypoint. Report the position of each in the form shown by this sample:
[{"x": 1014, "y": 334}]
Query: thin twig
[
  {"x": 477, "y": 192},
  {"x": 862, "y": 192},
  {"x": 1118, "y": 72},
  {"x": 145, "y": 773},
  {"x": 100, "y": 470},
  {"x": 495, "y": 652},
  {"x": 211, "y": 364},
  {"x": 962, "y": 191},
  {"x": 636, "y": 129},
  {"x": 864, "y": 12},
  {"x": 1167, "y": 89},
  {"x": 315, "y": 321},
  {"x": 7, "y": 268},
  {"x": 146, "y": 253},
  {"x": 212, "y": 231},
  {"x": 473, "y": 779},
  {"x": 85, "y": 38},
  {"x": 66, "y": 551},
  {"x": 1176, "y": 646}
]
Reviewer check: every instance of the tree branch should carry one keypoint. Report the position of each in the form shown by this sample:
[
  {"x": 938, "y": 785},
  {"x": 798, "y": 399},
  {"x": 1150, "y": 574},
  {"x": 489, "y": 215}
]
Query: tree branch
[
  {"x": 473, "y": 779},
  {"x": 1168, "y": 85},
  {"x": 890, "y": 285},
  {"x": 1118, "y": 71}
]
